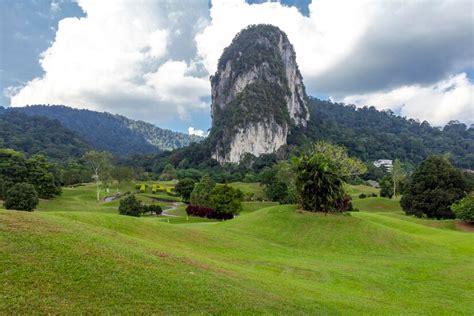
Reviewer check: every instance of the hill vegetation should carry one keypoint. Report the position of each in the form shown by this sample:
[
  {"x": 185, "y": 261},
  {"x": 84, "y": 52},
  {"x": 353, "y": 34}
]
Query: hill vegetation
[
  {"x": 370, "y": 134},
  {"x": 40, "y": 135},
  {"x": 114, "y": 133}
]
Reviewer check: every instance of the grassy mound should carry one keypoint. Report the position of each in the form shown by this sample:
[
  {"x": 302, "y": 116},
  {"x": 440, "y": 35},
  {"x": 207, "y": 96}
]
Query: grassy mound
[{"x": 271, "y": 259}]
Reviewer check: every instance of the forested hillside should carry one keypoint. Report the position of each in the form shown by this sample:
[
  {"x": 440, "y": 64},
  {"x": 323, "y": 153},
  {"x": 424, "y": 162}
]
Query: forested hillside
[
  {"x": 114, "y": 133},
  {"x": 36, "y": 134},
  {"x": 371, "y": 134}
]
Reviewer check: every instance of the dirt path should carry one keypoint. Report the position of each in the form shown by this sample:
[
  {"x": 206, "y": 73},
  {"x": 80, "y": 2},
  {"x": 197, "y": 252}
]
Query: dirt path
[{"x": 174, "y": 206}]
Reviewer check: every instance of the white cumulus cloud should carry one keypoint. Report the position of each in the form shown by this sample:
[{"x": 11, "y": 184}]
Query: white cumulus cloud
[
  {"x": 347, "y": 48},
  {"x": 450, "y": 99},
  {"x": 197, "y": 132},
  {"x": 151, "y": 59},
  {"x": 117, "y": 59},
  {"x": 319, "y": 40}
]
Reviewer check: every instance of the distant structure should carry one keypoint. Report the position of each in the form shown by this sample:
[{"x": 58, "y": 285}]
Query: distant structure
[
  {"x": 373, "y": 184},
  {"x": 386, "y": 163}
]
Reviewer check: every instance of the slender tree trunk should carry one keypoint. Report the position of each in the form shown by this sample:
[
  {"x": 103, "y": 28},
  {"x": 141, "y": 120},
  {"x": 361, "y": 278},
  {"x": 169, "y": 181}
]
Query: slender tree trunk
[
  {"x": 394, "y": 188},
  {"x": 97, "y": 186}
]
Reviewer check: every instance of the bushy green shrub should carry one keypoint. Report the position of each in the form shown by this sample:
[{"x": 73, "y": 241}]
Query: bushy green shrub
[
  {"x": 432, "y": 188},
  {"x": 131, "y": 206},
  {"x": 171, "y": 192},
  {"x": 153, "y": 208},
  {"x": 184, "y": 188},
  {"x": 362, "y": 196},
  {"x": 386, "y": 187},
  {"x": 142, "y": 188},
  {"x": 22, "y": 197},
  {"x": 464, "y": 209},
  {"x": 201, "y": 192},
  {"x": 226, "y": 199}
]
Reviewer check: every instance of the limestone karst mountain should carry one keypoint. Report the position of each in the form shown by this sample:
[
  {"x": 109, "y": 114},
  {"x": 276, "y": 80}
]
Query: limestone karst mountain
[{"x": 258, "y": 95}]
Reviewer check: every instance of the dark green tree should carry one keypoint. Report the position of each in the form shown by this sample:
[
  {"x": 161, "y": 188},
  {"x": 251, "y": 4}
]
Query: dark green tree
[
  {"x": 277, "y": 191},
  {"x": 22, "y": 197},
  {"x": 184, "y": 188},
  {"x": 40, "y": 176},
  {"x": 131, "y": 206},
  {"x": 13, "y": 169},
  {"x": 280, "y": 183},
  {"x": 226, "y": 199},
  {"x": 432, "y": 188},
  {"x": 169, "y": 173},
  {"x": 201, "y": 192},
  {"x": 386, "y": 187},
  {"x": 75, "y": 171},
  {"x": 153, "y": 208},
  {"x": 122, "y": 173}
]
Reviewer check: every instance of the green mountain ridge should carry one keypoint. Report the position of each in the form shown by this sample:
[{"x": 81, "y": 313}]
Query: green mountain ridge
[
  {"x": 40, "y": 135},
  {"x": 114, "y": 133},
  {"x": 370, "y": 134}
]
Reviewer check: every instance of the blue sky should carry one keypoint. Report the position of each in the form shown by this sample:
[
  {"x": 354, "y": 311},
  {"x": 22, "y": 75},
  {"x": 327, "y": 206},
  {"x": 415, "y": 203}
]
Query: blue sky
[
  {"x": 27, "y": 29},
  {"x": 152, "y": 61}
]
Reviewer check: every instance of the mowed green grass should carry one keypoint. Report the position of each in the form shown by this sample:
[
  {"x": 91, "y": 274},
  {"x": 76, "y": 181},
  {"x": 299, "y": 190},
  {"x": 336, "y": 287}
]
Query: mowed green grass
[
  {"x": 249, "y": 188},
  {"x": 355, "y": 190},
  {"x": 272, "y": 259}
]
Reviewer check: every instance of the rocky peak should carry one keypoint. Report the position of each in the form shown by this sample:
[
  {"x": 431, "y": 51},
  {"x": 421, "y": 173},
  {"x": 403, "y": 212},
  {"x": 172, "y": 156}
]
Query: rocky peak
[{"x": 258, "y": 95}]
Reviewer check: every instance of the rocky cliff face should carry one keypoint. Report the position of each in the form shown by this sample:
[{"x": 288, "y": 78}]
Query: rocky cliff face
[{"x": 258, "y": 95}]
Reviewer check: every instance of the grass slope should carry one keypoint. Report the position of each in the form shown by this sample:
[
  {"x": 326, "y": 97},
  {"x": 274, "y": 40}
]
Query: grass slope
[{"x": 273, "y": 259}]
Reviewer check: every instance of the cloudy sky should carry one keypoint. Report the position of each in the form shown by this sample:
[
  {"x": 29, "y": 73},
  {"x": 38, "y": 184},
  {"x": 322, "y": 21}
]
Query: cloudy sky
[{"x": 151, "y": 59}]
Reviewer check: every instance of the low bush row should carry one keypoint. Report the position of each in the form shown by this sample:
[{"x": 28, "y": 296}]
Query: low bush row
[
  {"x": 131, "y": 206},
  {"x": 201, "y": 211},
  {"x": 155, "y": 188},
  {"x": 363, "y": 195}
]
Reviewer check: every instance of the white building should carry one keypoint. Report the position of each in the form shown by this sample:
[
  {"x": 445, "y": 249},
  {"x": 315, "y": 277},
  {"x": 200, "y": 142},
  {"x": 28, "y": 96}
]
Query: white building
[{"x": 386, "y": 163}]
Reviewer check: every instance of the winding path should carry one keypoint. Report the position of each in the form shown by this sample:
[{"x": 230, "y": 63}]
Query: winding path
[{"x": 174, "y": 205}]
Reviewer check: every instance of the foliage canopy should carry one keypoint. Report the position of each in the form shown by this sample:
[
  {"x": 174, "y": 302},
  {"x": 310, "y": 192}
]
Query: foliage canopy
[{"x": 432, "y": 188}]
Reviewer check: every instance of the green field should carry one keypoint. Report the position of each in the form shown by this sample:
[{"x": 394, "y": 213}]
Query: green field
[{"x": 74, "y": 256}]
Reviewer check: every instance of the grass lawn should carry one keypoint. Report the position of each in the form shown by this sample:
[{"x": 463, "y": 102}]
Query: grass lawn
[
  {"x": 249, "y": 188},
  {"x": 355, "y": 190},
  {"x": 249, "y": 207},
  {"x": 272, "y": 259}
]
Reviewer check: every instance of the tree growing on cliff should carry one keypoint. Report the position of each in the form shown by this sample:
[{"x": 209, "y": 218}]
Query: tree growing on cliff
[{"x": 321, "y": 173}]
